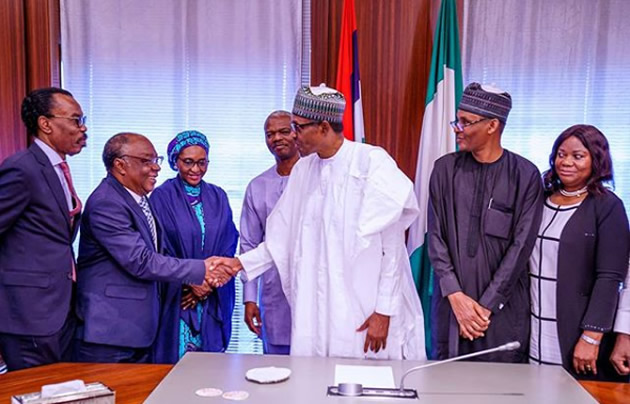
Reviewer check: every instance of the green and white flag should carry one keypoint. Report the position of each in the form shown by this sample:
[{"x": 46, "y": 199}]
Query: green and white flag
[{"x": 443, "y": 93}]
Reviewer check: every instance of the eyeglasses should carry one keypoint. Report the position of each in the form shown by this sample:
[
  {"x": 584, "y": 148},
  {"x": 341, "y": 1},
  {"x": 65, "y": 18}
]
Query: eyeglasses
[
  {"x": 297, "y": 127},
  {"x": 79, "y": 120},
  {"x": 460, "y": 126},
  {"x": 147, "y": 162},
  {"x": 190, "y": 163}
]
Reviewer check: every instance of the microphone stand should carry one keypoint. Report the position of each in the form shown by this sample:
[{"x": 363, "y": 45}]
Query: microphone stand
[
  {"x": 356, "y": 389},
  {"x": 510, "y": 346}
]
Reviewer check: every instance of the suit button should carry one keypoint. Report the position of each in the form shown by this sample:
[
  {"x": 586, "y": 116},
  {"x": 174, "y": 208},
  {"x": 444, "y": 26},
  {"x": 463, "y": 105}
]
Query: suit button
[{"x": 69, "y": 275}]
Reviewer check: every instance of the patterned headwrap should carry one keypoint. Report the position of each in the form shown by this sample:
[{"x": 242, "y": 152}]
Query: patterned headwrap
[
  {"x": 320, "y": 104},
  {"x": 182, "y": 141},
  {"x": 486, "y": 100}
]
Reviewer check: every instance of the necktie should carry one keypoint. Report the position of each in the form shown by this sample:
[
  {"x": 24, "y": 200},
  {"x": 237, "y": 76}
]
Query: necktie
[
  {"x": 76, "y": 202},
  {"x": 144, "y": 205}
]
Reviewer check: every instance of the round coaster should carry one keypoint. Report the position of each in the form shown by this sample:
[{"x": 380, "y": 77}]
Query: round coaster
[
  {"x": 236, "y": 395},
  {"x": 208, "y": 392},
  {"x": 268, "y": 375}
]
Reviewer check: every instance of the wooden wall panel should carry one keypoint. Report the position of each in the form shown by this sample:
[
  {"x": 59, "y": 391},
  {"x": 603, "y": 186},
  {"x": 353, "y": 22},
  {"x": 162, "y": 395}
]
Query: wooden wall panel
[
  {"x": 29, "y": 45},
  {"x": 12, "y": 77},
  {"x": 325, "y": 32},
  {"x": 396, "y": 49},
  {"x": 43, "y": 43},
  {"x": 395, "y": 41}
]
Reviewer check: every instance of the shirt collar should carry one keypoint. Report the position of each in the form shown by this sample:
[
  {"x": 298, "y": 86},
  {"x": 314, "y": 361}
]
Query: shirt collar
[
  {"x": 135, "y": 196},
  {"x": 52, "y": 155}
]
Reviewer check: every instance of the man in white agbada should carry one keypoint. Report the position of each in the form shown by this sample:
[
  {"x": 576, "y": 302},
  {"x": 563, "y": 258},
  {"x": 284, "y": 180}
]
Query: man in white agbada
[{"x": 336, "y": 237}]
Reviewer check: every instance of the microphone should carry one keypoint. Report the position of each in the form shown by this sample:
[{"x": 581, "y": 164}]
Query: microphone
[
  {"x": 356, "y": 389},
  {"x": 510, "y": 346}
]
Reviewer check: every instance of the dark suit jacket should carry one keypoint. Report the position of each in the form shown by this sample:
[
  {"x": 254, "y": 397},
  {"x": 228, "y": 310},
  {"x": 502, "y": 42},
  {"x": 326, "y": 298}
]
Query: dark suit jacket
[
  {"x": 592, "y": 262},
  {"x": 119, "y": 268},
  {"x": 35, "y": 246}
]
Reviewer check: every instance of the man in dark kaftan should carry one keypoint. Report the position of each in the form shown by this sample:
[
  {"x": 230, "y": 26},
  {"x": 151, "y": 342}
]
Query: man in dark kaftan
[{"x": 485, "y": 208}]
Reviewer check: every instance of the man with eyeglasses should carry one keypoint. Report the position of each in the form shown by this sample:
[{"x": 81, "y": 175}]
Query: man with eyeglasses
[
  {"x": 39, "y": 217},
  {"x": 337, "y": 239},
  {"x": 262, "y": 194},
  {"x": 484, "y": 211},
  {"x": 120, "y": 261}
]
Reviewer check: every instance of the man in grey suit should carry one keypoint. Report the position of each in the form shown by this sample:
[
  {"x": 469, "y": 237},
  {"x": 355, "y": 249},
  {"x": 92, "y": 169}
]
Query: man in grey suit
[
  {"x": 120, "y": 265},
  {"x": 39, "y": 217}
]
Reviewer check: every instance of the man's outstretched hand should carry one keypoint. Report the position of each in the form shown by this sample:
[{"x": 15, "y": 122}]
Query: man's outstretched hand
[
  {"x": 219, "y": 270},
  {"x": 214, "y": 278}
]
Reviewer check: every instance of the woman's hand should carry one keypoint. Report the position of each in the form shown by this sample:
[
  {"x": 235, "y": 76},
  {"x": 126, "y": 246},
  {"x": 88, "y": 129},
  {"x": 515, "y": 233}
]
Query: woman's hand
[
  {"x": 202, "y": 291},
  {"x": 189, "y": 300},
  {"x": 585, "y": 354}
]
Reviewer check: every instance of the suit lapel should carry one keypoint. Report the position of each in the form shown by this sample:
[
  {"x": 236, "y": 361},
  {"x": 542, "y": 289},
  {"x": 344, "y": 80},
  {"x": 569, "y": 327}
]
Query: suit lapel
[
  {"x": 144, "y": 229},
  {"x": 158, "y": 228},
  {"x": 52, "y": 179}
]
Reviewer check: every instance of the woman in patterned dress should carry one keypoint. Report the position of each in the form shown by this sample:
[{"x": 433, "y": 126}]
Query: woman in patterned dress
[
  {"x": 196, "y": 220},
  {"x": 580, "y": 258}
]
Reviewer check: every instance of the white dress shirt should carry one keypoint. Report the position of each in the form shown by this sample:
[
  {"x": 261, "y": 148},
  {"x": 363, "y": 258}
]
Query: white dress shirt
[
  {"x": 138, "y": 198},
  {"x": 55, "y": 160}
]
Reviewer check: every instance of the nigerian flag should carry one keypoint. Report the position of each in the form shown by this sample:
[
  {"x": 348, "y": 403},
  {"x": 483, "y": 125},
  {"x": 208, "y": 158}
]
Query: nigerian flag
[{"x": 443, "y": 93}]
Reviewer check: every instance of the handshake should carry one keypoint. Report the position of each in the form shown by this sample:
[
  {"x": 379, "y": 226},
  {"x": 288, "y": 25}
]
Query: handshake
[{"x": 219, "y": 270}]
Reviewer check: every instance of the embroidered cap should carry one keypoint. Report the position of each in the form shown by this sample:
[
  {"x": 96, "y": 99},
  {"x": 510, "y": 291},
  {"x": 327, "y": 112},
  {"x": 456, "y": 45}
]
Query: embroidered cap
[
  {"x": 319, "y": 104},
  {"x": 486, "y": 100}
]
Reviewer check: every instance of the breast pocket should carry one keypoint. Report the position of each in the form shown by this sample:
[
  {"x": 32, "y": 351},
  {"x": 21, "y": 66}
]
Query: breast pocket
[
  {"x": 25, "y": 279},
  {"x": 498, "y": 221}
]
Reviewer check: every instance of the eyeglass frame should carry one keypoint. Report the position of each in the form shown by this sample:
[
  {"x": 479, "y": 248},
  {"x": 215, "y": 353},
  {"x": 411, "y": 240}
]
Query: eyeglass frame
[
  {"x": 79, "y": 120},
  {"x": 457, "y": 125},
  {"x": 298, "y": 127},
  {"x": 194, "y": 163},
  {"x": 158, "y": 160}
]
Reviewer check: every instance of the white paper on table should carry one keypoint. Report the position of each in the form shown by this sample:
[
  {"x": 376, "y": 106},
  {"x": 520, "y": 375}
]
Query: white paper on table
[{"x": 368, "y": 376}]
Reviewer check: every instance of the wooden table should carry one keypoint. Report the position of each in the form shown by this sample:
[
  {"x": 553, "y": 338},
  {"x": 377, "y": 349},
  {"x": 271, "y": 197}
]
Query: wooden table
[
  {"x": 134, "y": 383},
  {"x": 606, "y": 392}
]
